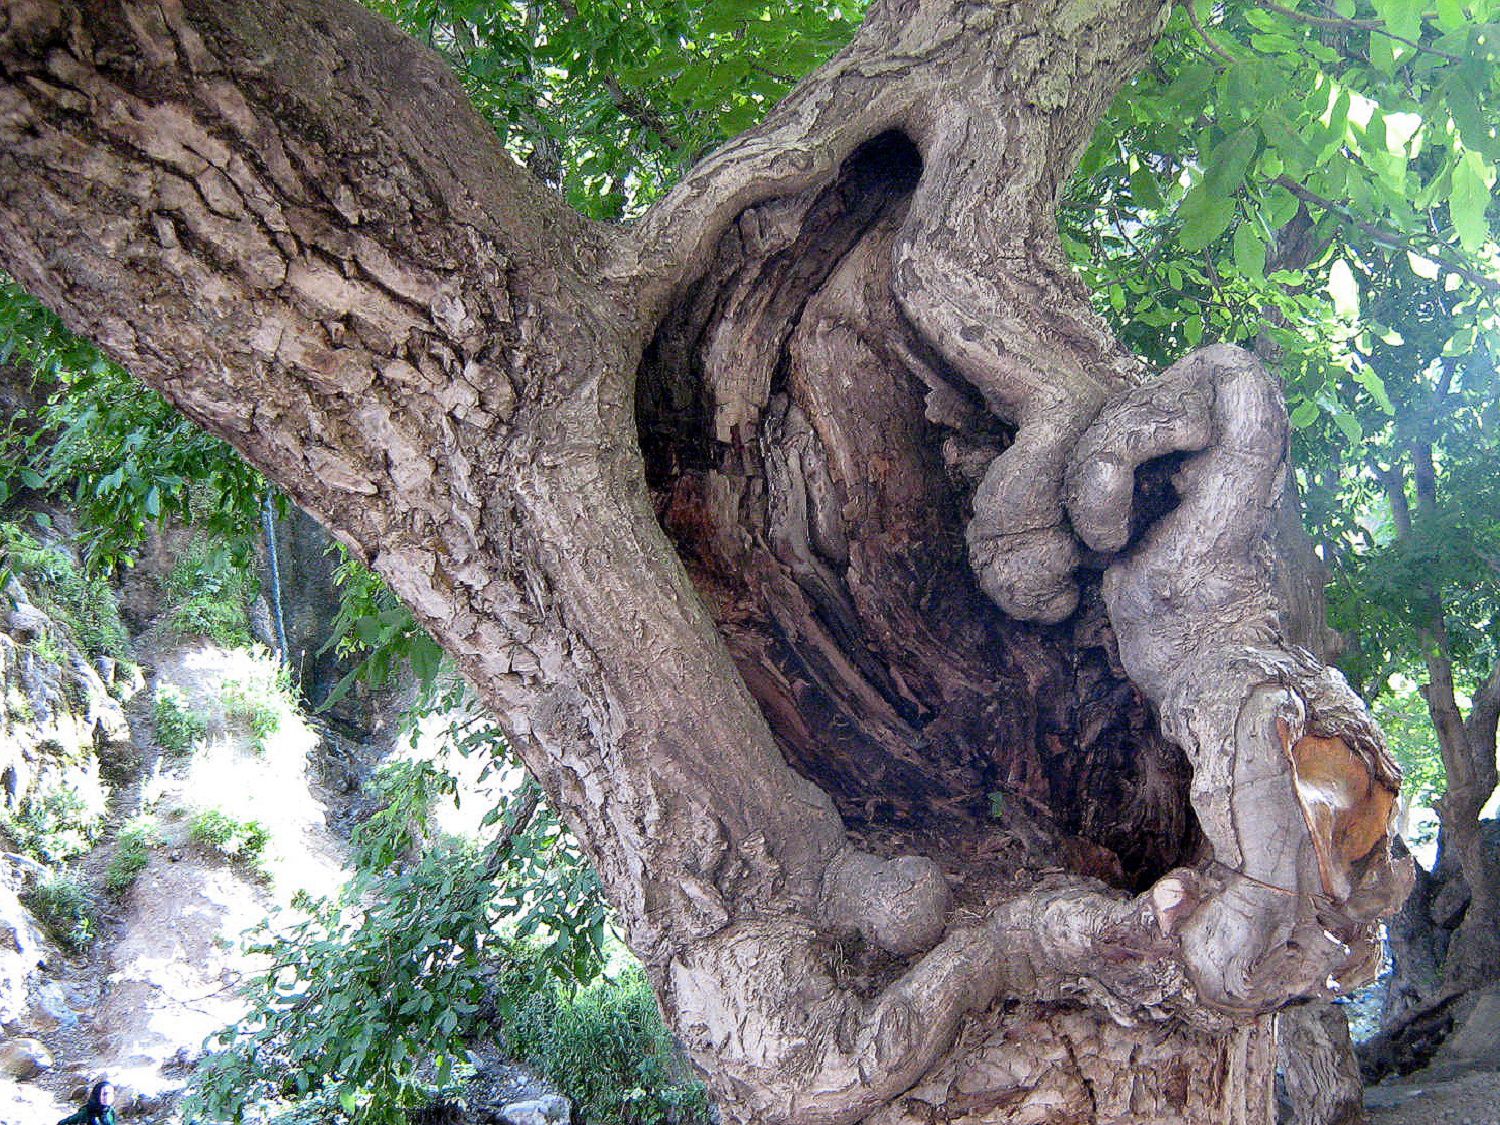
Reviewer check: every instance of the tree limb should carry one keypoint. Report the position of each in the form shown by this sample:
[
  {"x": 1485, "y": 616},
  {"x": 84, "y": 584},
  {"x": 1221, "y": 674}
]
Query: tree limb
[{"x": 1386, "y": 237}]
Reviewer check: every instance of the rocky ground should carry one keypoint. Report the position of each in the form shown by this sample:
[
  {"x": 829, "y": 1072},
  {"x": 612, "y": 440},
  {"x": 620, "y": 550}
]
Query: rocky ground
[
  {"x": 1462, "y": 1084},
  {"x": 1420, "y": 1099}
]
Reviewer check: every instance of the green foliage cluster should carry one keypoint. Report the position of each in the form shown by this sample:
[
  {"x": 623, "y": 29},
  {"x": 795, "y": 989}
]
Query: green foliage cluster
[
  {"x": 52, "y": 826},
  {"x": 612, "y": 100},
  {"x": 208, "y": 592},
  {"x": 241, "y": 841},
  {"x": 1402, "y": 715},
  {"x": 1316, "y": 182},
  {"x": 179, "y": 729},
  {"x": 1271, "y": 165},
  {"x": 377, "y": 633},
  {"x": 132, "y": 853},
  {"x": 65, "y": 906},
  {"x": 115, "y": 452},
  {"x": 82, "y": 604},
  {"x": 363, "y": 996},
  {"x": 605, "y": 1045},
  {"x": 375, "y": 994},
  {"x": 259, "y": 703}
]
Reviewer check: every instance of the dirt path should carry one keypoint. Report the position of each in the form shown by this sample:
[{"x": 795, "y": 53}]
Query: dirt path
[{"x": 1421, "y": 1099}]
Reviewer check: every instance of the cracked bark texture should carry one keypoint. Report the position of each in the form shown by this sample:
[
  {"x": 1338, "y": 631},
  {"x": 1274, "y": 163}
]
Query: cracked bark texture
[{"x": 907, "y": 659}]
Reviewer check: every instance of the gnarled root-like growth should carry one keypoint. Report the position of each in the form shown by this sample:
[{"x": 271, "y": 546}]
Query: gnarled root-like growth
[{"x": 1292, "y": 782}]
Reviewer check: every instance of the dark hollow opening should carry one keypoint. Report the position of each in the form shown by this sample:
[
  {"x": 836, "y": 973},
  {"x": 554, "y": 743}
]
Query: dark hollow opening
[{"x": 813, "y": 459}]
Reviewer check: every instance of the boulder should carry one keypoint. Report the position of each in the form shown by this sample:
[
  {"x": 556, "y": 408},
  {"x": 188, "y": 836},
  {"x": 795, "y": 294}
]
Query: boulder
[
  {"x": 24, "y": 1058},
  {"x": 553, "y": 1109}
]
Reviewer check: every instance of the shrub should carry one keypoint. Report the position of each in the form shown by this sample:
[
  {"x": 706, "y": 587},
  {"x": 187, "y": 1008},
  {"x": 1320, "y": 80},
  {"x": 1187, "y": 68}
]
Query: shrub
[
  {"x": 83, "y": 605},
  {"x": 65, "y": 907},
  {"x": 208, "y": 594},
  {"x": 607, "y": 1046},
  {"x": 179, "y": 729},
  {"x": 132, "y": 853},
  {"x": 53, "y": 826},
  {"x": 243, "y": 841}
]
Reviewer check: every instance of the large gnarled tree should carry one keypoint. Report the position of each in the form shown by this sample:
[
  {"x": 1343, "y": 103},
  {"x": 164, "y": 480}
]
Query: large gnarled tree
[{"x": 910, "y": 661}]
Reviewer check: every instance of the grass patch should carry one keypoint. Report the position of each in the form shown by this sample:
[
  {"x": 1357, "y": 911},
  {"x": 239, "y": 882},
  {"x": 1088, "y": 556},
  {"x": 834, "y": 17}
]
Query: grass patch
[
  {"x": 209, "y": 593},
  {"x": 240, "y": 841},
  {"x": 65, "y": 907},
  {"x": 81, "y": 604},
  {"x": 132, "y": 853},
  {"x": 179, "y": 729},
  {"x": 257, "y": 705}
]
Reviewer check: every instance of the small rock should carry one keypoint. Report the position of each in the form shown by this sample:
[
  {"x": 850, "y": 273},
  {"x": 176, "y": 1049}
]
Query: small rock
[
  {"x": 550, "y": 1110},
  {"x": 24, "y": 1058},
  {"x": 50, "y": 1008}
]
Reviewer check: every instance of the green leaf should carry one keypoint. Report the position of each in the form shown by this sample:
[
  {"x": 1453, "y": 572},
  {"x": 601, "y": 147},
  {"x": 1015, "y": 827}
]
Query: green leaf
[
  {"x": 1249, "y": 252},
  {"x": 1450, "y": 14},
  {"x": 1143, "y": 187},
  {"x": 1466, "y": 206},
  {"x": 1225, "y": 169},
  {"x": 1280, "y": 206},
  {"x": 1344, "y": 290},
  {"x": 1477, "y": 130},
  {"x": 1372, "y": 382},
  {"x": 1305, "y": 415},
  {"x": 1402, "y": 17},
  {"x": 1204, "y": 216}
]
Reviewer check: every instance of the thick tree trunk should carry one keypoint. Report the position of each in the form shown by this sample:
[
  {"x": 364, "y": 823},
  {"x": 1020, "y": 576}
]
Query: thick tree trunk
[{"x": 916, "y": 680}]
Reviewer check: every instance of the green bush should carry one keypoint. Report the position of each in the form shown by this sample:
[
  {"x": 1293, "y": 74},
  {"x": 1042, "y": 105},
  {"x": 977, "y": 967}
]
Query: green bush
[
  {"x": 243, "y": 841},
  {"x": 132, "y": 853},
  {"x": 209, "y": 591},
  {"x": 607, "y": 1047},
  {"x": 84, "y": 606},
  {"x": 179, "y": 729},
  {"x": 65, "y": 907},
  {"x": 53, "y": 826}
]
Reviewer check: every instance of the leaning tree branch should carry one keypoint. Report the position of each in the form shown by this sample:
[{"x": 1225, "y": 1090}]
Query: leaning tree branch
[
  {"x": 1484, "y": 713},
  {"x": 1388, "y": 238},
  {"x": 1376, "y": 26}
]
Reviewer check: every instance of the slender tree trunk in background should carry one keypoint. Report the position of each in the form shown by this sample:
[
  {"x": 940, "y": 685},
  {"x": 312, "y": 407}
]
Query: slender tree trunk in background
[
  {"x": 910, "y": 664},
  {"x": 1467, "y": 746}
]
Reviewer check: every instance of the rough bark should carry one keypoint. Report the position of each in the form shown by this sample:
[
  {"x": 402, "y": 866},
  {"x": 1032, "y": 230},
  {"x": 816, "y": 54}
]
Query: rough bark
[
  {"x": 1322, "y": 1078},
  {"x": 929, "y": 543}
]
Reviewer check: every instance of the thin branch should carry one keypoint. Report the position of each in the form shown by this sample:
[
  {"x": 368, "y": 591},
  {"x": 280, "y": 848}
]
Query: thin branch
[
  {"x": 1375, "y": 26},
  {"x": 521, "y": 817},
  {"x": 1213, "y": 44},
  {"x": 1388, "y": 238}
]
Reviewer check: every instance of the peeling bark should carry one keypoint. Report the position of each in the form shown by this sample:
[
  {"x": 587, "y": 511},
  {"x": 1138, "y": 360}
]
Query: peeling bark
[{"x": 916, "y": 681}]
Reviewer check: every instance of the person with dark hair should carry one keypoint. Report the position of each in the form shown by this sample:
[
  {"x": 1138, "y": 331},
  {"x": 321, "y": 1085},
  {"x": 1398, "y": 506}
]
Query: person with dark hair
[{"x": 100, "y": 1109}]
